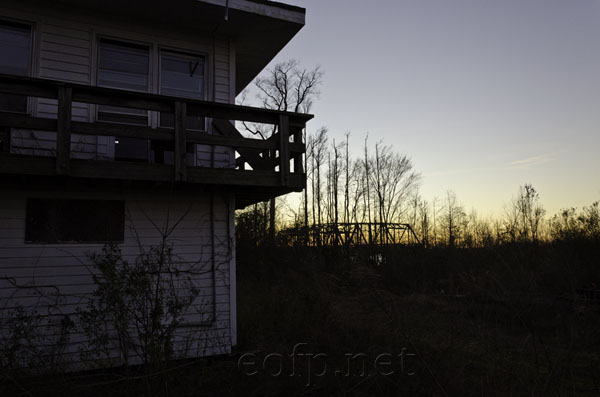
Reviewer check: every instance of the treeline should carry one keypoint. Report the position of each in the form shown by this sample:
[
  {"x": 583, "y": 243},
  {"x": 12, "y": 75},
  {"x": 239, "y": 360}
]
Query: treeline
[
  {"x": 376, "y": 187},
  {"x": 446, "y": 222},
  {"x": 380, "y": 186}
]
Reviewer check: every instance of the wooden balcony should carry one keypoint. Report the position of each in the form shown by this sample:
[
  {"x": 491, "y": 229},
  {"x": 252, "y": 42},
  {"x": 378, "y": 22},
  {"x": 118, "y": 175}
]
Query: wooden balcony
[{"x": 263, "y": 167}]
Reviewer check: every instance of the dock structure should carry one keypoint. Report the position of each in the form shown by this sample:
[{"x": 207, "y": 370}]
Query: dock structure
[{"x": 357, "y": 233}]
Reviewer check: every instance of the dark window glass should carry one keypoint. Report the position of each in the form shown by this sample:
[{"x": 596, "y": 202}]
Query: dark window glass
[
  {"x": 131, "y": 149},
  {"x": 15, "y": 59},
  {"x": 182, "y": 76},
  {"x": 74, "y": 221},
  {"x": 124, "y": 66}
]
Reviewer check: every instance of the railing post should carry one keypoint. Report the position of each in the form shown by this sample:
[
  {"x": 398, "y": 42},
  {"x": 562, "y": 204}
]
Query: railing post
[
  {"x": 63, "y": 130},
  {"x": 4, "y": 140},
  {"x": 180, "y": 141},
  {"x": 298, "y": 157},
  {"x": 284, "y": 153}
]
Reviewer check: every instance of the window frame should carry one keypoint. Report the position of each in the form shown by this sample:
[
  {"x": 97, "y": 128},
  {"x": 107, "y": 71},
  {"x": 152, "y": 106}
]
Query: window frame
[
  {"x": 183, "y": 53},
  {"x": 55, "y": 204},
  {"x": 113, "y": 141},
  {"x": 96, "y": 62},
  {"x": 32, "y": 56},
  {"x": 156, "y": 47}
]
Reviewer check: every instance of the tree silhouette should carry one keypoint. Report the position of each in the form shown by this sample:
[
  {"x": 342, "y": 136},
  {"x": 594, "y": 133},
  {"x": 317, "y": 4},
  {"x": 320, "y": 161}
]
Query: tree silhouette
[{"x": 287, "y": 86}]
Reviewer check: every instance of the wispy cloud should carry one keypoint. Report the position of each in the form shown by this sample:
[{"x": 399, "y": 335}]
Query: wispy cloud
[
  {"x": 522, "y": 164},
  {"x": 530, "y": 162},
  {"x": 452, "y": 172}
]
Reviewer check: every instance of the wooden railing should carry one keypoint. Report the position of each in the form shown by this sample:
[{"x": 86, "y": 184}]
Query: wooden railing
[{"x": 269, "y": 158}]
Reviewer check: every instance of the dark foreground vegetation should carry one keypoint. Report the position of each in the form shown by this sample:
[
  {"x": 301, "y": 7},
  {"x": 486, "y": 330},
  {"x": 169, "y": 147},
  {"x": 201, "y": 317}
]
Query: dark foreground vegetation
[{"x": 508, "y": 320}]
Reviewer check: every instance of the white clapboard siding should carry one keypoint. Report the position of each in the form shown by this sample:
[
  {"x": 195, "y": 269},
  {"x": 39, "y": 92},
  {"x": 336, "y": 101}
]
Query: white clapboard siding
[
  {"x": 224, "y": 156},
  {"x": 65, "y": 54},
  {"x": 222, "y": 64},
  {"x": 209, "y": 155},
  {"x": 56, "y": 279},
  {"x": 71, "y": 356}
]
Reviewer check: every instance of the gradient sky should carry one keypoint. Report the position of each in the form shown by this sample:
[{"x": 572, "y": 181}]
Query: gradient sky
[{"x": 484, "y": 96}]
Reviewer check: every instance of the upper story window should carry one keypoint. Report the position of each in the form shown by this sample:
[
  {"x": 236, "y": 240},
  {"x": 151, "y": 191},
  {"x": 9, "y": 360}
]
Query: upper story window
[
  {"x": 182, "y": 75},
  {"x": 125, "y": 66},
  {"x": 128, "y": 66},
  {"x": 15, "y": 59}
]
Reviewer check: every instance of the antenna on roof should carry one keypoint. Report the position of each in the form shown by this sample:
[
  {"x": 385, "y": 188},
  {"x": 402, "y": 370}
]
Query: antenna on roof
[{"x": 226, "y": 10}]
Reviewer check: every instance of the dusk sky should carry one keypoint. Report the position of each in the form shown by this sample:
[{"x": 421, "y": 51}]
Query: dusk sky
[{"x": 484, "y": 96}]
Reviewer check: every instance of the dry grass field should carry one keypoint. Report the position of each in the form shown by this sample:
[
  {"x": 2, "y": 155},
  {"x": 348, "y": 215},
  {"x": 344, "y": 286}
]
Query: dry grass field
[{"x": 510, "y": 320}]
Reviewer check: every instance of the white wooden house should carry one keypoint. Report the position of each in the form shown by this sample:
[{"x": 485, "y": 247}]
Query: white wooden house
[{"x": 116, "y": 124}]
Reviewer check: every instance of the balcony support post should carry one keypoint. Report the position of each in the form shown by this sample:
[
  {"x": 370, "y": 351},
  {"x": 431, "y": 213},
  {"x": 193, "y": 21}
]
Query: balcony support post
[
  {"x": 180, "y": 141},
  {"x": 297, "y": 133},
  {"x": 284, "y": 153},
  {"x": 63, "y": 130}
]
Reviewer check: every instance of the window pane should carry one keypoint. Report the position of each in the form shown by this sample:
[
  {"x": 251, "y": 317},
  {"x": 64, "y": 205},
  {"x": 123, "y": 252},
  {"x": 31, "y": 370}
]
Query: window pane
[
  {"x": 182, "y": 76},
  {"x": 192, "y": 122},
  {"x": 122, "y": 115},
  {"x": 74, "y": 221},
  {"x": 15, "y": 57},
  {"x": 13, "y": 103},
  {"x": 125, "y": 66},
  {"x": 131, "y": 149},
  {"x": 15, "y": 49}
]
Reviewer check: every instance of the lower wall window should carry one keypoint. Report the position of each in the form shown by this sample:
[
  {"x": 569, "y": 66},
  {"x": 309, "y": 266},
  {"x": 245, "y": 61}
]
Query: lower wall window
[{"x": 74, "y": 221}]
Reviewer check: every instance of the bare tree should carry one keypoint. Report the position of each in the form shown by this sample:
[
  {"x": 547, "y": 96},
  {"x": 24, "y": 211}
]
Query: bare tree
[
  {"x": 317, "y": 148},
  {"x": 393, "y": 182},
  {"x": 421, "y": 218},
  {"x": 347, "y": 180},
  {"x": 288, "y": 86},
  {"x": 452, "y": 218},
  {"x": 510, "y": 223},
  {"x": 434, "y": 238},
  {"x": 523, "y": 216},
  {"x": 530, "y": 212},
  {"x": 367, "y": 187}
]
